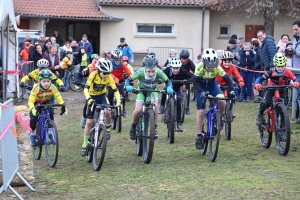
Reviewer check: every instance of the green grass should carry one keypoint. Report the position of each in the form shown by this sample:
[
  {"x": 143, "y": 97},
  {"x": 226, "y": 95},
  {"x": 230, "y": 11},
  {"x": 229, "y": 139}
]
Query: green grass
[{"x": 242, "y": 170}]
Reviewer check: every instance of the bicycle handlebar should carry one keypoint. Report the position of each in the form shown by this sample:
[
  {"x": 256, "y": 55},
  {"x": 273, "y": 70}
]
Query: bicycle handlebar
[
  {"x": 181, "y": 81},
  {"x": 27, "y": 87},
  {"x": 136, "y": 91},
  {"x": 277, "y": 87}
]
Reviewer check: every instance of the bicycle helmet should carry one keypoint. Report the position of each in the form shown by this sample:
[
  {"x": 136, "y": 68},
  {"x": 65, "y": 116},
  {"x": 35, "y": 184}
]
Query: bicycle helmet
[
  {"x": 45, "y": 73},
  {"x": 199, "y": 56},
  {"x": 227, "y": 55},
  {"x": 93, "y": 56},
  {"x": 42, "y": 63},
  {"x": 210, "y": 58},
  {"x": 150, "y": 62},
  {"x": 184, "y": 54},
  {"x": 174, "y": 62},
  {"x": 104, "y": 65},
  {"x": 279, "y": 60},
  {"x": 172, "y": 51},
  {"x": 116, "y": 54},
  {"x": 151, "y": 53},
  {"x": 124, "y": 58}
]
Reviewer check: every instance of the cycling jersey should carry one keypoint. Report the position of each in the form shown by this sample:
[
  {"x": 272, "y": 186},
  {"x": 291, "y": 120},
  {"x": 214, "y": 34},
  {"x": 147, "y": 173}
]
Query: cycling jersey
[
  {"x": 42, "y": 96},
  {"x": 35, "y": 76},
  {"x": 231, "y": 70},
  {"x": 65, "y": 63},
  {"x": 118, "y": 72},
  {"x": 188, "y": 65},
  {"x": 181, "y": 75},
  {"x": 204, "y": 74},
  {"x": 276, "y": 78}
]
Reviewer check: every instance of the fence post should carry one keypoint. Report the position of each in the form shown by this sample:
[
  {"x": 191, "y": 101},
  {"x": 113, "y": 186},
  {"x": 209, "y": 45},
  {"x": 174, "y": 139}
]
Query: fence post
[{"x": 9, "y": 149}]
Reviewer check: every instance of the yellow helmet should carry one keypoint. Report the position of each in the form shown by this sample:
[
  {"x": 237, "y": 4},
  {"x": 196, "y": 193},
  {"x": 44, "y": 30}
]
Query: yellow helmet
[{"x": 279, "y": 60}]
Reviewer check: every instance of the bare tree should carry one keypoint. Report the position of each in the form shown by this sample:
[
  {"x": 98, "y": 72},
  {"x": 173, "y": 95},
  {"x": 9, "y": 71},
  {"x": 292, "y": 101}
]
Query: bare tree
[{"x": 268, "y": 9}]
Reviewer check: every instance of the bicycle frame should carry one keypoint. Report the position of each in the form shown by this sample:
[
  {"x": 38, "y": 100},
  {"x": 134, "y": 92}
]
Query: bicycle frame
[
  {"x": 212, "y": 110},
  {"x": 43, "y": 119}
]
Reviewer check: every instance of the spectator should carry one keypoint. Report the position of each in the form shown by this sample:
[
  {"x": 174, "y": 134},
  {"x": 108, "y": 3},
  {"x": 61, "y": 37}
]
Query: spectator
[
  {"x": 87, "y": 47},
  {"x": 126, "y": 50},
  {"x": 76, "y": 63},
  {"x": 32, "y": 49},
  {"x": 27, "y": 39},
  {"x": 241, "y": 41},
  {"x": 46, "y": 46},
  {"x": 64, "y": 49},
  {"x": 234, "y": 36},
  {"x": 234, "y": 48},
  {"x": 25, "y": 52},
  {"x": 42, "y": 39},
  {"x": 53, "y": 59},
  {"x": 58, "y": 38},
  {"x": 288, "y": 54},
  {"x": 53, "y": 41},
  {"x": 282, "y": 43},
  {"x": 268, "y": 49},
  {"x": 82, "y": 59},
  {"x": 38, "y": 54},
  {"x": 257, "y": 63}
]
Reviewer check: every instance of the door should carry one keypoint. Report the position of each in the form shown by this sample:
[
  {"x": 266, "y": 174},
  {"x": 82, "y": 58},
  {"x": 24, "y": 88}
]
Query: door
[
  {"x": 251, "y": 31},
  {"x": 24, "y": 24}
]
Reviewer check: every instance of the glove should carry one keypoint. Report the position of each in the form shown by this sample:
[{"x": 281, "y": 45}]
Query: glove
[
  {"x": 293, "y": 51},
  {"x": 241, "y": 84},
  {"x": 64, "y": 110},
  {"x": 129, "y": 88},
  {"x": 34, "y": 111},
  {"x": 61, "y": 88},
  {"x": 90, "y": 101},
  {"x": 295, "y": 84},
  {"x": 258, "y": 86},
  {"x": 22, "y": 84},
  {"x": 203, "y": 95},
  {"x": 170, "y": 90},
  {"x": 232, "y": 95}
]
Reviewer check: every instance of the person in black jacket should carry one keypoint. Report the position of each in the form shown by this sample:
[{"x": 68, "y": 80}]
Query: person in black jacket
[
  {"x": 37, "y": 54},
  {"x": 175, "y": 72},
  {"x": 32, "y": 49},
  {"x": 58, "y": 38}
]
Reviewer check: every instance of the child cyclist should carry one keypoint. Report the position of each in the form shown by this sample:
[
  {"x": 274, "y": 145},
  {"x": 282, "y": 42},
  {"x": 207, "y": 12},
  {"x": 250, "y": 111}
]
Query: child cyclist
[
  {"x": 148, "y": 78},
  {"x": 95, "y": 91},
  {"x": 175, "y": 72},
  {"x": 279, "y": 75},
  {"x": 172, "y": 54},
  {"x": 205, "y": 81},
  {"x": 125, "y": 60},
  {"x": 42, "y": 64},
  {"x": 42, "y": 93}
]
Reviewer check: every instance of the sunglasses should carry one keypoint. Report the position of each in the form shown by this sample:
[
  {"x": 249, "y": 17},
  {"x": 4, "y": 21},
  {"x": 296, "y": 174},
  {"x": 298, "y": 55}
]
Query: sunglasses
[{"x": 106, "y": 73}]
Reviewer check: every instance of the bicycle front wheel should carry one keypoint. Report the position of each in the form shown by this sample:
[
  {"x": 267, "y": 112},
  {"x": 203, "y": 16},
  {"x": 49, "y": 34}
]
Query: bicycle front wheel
[
  {"x": 75, "y": 88},
  {"x": 214, "y": 139},
  {"x": 100, "y": 140},
  {"x": 183, "y": 105},
  {"x": 90, "y": 147},
  {"x": 282, "y": 130},
  {"x": 148, "y": 135},
  {"x": 171, "y": 120},
  {"x": 264, "y": 130},
  {"x": 204, "y": 139},
  {"x": 119, "y": 123},
  {"x": 51, "y": 143},
  {"x": 139, "y": 138},
  {"x": 37, "y": 150},
  {"x": 227, "y": 121}
]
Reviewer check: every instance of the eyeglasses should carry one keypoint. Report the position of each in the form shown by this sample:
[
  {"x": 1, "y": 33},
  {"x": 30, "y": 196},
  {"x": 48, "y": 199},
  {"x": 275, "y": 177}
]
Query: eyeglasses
[
  {"x": 106, "y": 73},
  {"x": 259, "y": 36}
]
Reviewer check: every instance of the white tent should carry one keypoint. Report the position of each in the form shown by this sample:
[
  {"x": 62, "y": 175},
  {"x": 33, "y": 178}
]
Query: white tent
[{"x": 8, "y": 46}]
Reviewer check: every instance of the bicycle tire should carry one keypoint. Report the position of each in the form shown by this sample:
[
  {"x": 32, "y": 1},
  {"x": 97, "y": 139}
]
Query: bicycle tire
[
  {"x": 297, "y": 110},
  {"x": 148, "y": 136},
  {"x": 139, "y": 138},
  {"x": 90, "y": 147},
  {"x": 214, "y": 140},
  {"x": 73, "y": 87},
  {"x": 119, "y": 123},
  {"x": 51, "y": 143},
  {"x": 282, "y": 130},
  {"x": 100, "y": 141},
  {"x": 227, "y": 121},
  {"x": 37, "y": 150},
  {"x": 264, "y": 131},
  {"x": 204, "y": 140},
  {"x": 171, "y": 120},
  {"x": 114, "y": 119},
  {"x": 183, "y": 105}
]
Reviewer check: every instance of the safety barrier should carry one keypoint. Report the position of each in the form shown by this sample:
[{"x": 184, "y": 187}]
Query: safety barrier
[
  {"x": 25, "y": 69},
  {"x": 9, "y": 149}
]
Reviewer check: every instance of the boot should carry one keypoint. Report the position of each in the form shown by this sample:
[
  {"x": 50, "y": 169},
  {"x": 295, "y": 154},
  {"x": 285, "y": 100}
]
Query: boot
[{"x": 248, "y": 99}]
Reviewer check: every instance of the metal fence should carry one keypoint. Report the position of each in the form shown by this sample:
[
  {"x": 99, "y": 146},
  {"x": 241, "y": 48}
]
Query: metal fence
[
  {"x": 9, "y": 149},
  {"x": 26, "y": 68}
]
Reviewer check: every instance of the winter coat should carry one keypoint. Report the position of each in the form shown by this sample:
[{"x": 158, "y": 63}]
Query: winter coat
[
  {"x": 247, "y": 61},
  {"x": 36, "y": 57},
  {"x": 280, "y": 47},
  {"x": 296, "y": 57},
  {"x": 56, "y": 61},
  {"x": 236, "y": 53},
  {"x": 257, "y": 59},
  {"x": 268, "y": 50},
  {"x": 126, "y": 50}
]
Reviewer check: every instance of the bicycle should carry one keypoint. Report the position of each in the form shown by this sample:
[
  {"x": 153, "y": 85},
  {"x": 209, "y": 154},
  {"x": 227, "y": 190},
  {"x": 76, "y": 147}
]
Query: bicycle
[
  {"x": 46, "y": 134},
  {"x": 74, "y": 87},
  {"x": 145, "y": 130},
  {"x": 228, "y": 116},
  {"x": 116, "y": 120},
  {"x": 211, "y": 127},
  {"x": 276, "y": 119},
  {"x": 98, "y": 137},
  {"x": 184, "y": 101}
]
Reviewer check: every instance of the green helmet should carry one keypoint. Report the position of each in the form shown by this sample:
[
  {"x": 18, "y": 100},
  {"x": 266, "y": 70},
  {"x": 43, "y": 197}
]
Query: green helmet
[
  {"x": 279, "y": 60},
  {"x": 45, "y": 73},
  {"x": 94, "y": 56}
]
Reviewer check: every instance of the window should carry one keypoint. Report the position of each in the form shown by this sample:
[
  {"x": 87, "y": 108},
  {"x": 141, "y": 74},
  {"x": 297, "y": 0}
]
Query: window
[
  {"x": 155, "y": 29},
  {"x": 224, "y": 31}
]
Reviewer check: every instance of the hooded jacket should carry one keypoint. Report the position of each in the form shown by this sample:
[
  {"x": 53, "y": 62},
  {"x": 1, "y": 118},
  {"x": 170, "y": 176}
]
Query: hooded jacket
[{"x": 268, "y": 51}]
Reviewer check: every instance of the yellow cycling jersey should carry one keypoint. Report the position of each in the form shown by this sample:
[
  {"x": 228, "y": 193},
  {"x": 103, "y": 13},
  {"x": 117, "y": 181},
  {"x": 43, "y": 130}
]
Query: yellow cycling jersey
[
  {"x": 88, "y": 67},
  {"x": 42, "y": 96},
  {"x": 35, "y": 76},
  {"x": 203, "y": 73}
]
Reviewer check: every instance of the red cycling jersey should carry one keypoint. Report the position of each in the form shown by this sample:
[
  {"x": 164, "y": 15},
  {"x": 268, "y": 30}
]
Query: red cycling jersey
[
  {"x": 231, "y": 70},
  {"x": 118, "y": 72}
]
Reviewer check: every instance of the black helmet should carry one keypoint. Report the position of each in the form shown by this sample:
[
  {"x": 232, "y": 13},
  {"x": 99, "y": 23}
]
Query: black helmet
[
  {"x": 151, "y": 53},
  {"x": 150, "y": 62},
  {"x": 45, "y": 73},
  {"x": 184, "y": 54}
]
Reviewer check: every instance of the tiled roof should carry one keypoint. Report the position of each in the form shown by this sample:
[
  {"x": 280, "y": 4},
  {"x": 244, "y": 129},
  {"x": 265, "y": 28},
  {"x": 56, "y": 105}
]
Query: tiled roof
[
  {"x": 85, "y": 9},
  {"x": 188, "y": 3}
]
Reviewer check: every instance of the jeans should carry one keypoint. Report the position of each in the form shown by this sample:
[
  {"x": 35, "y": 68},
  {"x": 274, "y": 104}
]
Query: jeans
[
  {"x": 247, "y": 90},
  {"x": 66, "y": 79}
]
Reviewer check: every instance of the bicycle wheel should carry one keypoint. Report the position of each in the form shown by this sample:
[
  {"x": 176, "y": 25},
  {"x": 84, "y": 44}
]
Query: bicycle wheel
[
  {"x": 37, "y": 150},
  {"x": 204, "y": 140},
  {"x": 264, "y": 131},
  {"x": 51, "y": 143},
  {"x": 297, "y": 110},
  {"x": 75, "y": 88},
  {"x": 148, "y": 135},
  {"x": 282, "y": 129},
  {"x": 171, "y": 120},
  {"x": 139, "y": 138},
  {"x": 183, "y": 104},
  {"x": 227, "y": 121},
  {"x": 100, "y": 140},
  {"x": 119, "y": 123},
  {"x": 214, "y": 140},
  {"x": 90, "y": 147}
]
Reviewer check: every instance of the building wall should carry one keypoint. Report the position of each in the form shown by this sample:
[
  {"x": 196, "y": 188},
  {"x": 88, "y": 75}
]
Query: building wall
[{"x": 36, "y": 24}]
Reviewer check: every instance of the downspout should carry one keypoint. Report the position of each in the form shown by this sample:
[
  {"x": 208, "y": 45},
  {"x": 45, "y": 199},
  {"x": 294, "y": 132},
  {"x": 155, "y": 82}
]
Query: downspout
[
  {"x": 44, "y": 25},
  {"x": 202, "y": 34},
  {"x": 3, "y": 67}
]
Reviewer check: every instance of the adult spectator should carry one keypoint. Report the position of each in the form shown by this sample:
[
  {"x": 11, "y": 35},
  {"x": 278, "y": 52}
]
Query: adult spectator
[
  {"x": 86, "y": 45},
  {"x": 32, "y": 49},
  {"x": 38, "y": 54},
  {"x": 46, "y": 46},
  {"x": 26, "y": 39},
  {"x": 281, "y": 46},
  {"x": 76, "y": 62},
  {"x": 240, "y": 42},
  {"x": 126, "y": 50},
  {"x": 42, "y": 39},
  {"x": 268, "y": 49},
  {"x": 257, "y": 64},
  {"x": 58, "y": 38},
  {"x": 53, "y": 41},
  {"x": 234, "y": 48},
  {"x": 234, "y": 36},
  {"x": 53, "y": 59}
]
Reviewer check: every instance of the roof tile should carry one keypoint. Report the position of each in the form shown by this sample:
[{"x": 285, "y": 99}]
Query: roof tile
[{"x": 155, "y": 2}]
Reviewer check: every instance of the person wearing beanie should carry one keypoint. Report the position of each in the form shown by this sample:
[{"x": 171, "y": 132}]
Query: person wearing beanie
[
  {"x": 234, "y": 48},
  {"x": 234, "y": 36}
]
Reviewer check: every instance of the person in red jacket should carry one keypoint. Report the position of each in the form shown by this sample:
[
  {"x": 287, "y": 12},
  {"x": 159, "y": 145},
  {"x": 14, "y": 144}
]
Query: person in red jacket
[{"x": 118, "y": 68}]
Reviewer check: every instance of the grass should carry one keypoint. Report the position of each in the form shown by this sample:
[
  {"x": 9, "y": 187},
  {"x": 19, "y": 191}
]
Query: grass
[{"x": 242, "y": 170}]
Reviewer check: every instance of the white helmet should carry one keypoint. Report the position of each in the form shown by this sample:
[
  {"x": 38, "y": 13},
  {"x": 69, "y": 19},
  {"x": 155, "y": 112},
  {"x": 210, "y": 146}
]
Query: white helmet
[
  {"x": 174, "y": 62},
  {"x": 104, "y": 65},
  {"x": 227, "y": 55},
  {"x": 172, "y": 51},
  {"x": 210, "y": 58},
  {"x": 42, "y": 63},
  {"x": 116, "y": 54}
]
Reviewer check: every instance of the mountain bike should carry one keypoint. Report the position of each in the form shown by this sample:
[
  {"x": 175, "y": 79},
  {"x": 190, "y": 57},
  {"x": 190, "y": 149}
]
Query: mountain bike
[
  {"x": 98, "y": 137},
  {"x": 46, "y": 134},
  {"x": 184, "y": 101},
  {"x": 211, "y": 127},
  {"x": 276, "y": 119},
  {"x": 145, "y": 130},
  {"x": 116, "y": 120},
  {"x": 228, "y": 116},
  {"x": 74, "y": 87}
]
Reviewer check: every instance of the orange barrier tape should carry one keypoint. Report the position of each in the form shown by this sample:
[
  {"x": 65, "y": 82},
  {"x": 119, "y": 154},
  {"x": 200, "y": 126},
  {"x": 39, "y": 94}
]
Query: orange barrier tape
[{"x": 14, "y": 131}]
